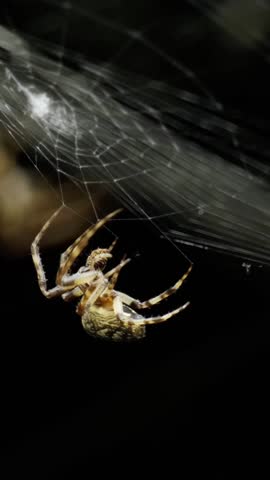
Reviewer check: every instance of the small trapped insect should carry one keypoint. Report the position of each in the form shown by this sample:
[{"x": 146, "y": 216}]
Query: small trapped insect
[{"x": 105, "y": 312}]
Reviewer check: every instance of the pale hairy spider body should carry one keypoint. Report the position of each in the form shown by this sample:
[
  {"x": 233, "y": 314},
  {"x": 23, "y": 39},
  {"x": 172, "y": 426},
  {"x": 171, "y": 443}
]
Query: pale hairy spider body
[{"x": 105, "y": 312}]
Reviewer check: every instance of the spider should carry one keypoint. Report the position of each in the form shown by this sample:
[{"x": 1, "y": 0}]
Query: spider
[{"x": 105, "y": 312}]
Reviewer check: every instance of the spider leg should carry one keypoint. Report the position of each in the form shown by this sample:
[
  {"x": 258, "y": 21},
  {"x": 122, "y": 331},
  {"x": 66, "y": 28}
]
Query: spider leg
[
  {"x": 133, "y": 303},
  {"x": 111, "y": 247},
  {"x": 114, "y": 273},
  {"x": 69, "y": 256},
  {"x": 118, "y": 310},
  {"x": 70, "y": 282},
  {"x": 58, "y": 290}
]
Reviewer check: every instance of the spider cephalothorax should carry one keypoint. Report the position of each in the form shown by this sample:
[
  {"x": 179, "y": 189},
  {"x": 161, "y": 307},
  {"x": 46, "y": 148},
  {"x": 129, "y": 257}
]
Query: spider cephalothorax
[
  {"x": 105, "y": 312},
  {"x": 98, "y": 259}
]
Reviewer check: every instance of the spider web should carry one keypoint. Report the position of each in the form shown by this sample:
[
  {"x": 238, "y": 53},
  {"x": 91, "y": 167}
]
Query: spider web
[{"x": 93, "y": 95}]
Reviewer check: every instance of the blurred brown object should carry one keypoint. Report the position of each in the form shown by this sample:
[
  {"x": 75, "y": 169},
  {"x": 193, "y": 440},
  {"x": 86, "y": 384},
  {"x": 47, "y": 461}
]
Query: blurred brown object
[{"x": 26, "y": 201}]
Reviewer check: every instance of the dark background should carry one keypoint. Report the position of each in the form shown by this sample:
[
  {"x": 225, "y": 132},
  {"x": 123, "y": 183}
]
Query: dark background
[{"x": 194, "y": 395}]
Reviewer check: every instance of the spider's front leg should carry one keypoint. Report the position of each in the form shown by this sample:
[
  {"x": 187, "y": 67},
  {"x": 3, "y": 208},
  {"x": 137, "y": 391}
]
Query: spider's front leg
[
  {"x": 69, "y": 282},
  {"x": 114, "y": 273},
  {"x": 42, "y": 281},
  {"x": 118, "y": 310}
]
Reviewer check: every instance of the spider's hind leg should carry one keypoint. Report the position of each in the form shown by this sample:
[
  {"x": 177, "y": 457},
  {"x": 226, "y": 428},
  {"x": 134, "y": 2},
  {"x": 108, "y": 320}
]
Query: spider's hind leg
[
  {"x": 118, "y": 310},
  {"x": 133, "y": 303}
]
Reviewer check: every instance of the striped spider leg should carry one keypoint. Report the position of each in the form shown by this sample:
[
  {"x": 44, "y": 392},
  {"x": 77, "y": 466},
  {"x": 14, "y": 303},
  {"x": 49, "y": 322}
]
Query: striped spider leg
[{"x": 123, "y": 298}]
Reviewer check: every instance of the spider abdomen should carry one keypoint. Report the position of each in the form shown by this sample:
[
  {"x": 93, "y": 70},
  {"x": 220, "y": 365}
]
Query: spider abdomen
[{"x": 102, "y": 323}]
